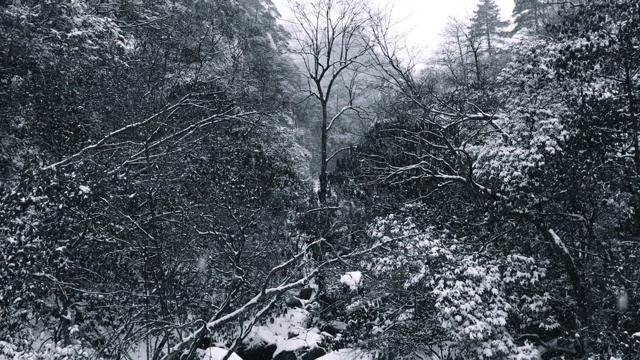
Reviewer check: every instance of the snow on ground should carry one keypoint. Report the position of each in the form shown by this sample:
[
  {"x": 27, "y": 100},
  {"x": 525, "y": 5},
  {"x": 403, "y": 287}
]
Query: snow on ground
[
  {"x": 279, "y": 331},
  {"x": 352, "y": 279},
  {"x": 347, "y": 354},
  {"x": 216, "y": 353},
  {"x": 308, "y": 339}
]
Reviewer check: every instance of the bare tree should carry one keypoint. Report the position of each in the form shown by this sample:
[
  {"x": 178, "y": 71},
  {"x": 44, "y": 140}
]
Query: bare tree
[
  {"x": 331, "y": 43},
  {"x": 445, "y": 123},
  {"x": 460, "y": 55}
]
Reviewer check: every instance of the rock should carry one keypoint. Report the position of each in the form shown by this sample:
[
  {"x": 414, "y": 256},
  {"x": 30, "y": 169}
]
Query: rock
[
  {"x": 294, "y": 302},
  {"x": 286, "y": 355},
  {"x": 334, "y": 327},
  {"x": 261, "y": 352},
  {"x": 204, "y": 343},
  {"x": 216, "y": 353},
  {"x": 313, "y": 354},
  {"x": 300, "y": 354},
  {"x": 305, "y": 293}
]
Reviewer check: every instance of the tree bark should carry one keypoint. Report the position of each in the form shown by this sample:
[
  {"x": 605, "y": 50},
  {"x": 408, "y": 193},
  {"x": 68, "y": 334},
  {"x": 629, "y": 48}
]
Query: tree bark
[
  {"x": 322, "y": 193},
  {"x": 635, "y": 126},
  {"x": 579, "y": 292}
]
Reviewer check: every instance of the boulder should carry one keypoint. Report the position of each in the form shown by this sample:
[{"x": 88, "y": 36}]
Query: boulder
[{"x": 260, "y": 352}]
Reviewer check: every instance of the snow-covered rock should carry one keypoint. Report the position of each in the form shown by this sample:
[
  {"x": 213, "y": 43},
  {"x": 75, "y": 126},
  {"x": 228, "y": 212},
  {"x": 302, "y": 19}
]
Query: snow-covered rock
[
  {"x": 287, "y": 332},
  {"x": 347, "y": 354},
  {"x": 352, "y": 279},
  {"x": 216, "y": 353}
]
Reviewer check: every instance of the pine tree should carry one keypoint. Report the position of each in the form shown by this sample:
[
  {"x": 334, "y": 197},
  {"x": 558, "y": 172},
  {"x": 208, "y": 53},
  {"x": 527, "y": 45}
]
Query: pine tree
[
  {"x": 486, "y": 22},
  {"x": 534, "y": 15},
  {"x": 526, "y": 14}
]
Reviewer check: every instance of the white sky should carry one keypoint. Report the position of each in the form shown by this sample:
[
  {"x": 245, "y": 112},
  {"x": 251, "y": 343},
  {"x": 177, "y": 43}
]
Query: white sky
[{"x": 424, "y": 20}]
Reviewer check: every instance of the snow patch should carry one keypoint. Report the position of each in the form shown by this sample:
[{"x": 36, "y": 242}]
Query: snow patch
[
  {"x": 309, "y": 339},
  {"x": 347, "y": 354},
  {"x": 623, "y": 301},
  {"x": 288, "y": 332},
  {"x": 216, "y": 353},
  {"x": 636, "y": 335},
  {"x": 352, "y": 279}
]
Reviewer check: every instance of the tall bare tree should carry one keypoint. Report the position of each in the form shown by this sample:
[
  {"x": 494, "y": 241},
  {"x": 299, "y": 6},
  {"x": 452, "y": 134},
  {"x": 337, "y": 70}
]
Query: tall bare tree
[{"x": 331, "y": 43}]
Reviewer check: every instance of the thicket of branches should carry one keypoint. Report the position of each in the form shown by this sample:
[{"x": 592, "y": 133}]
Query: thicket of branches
[{"x": 156, "y": 194}]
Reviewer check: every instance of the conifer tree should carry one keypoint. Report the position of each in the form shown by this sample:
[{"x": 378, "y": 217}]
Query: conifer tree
[
  {"x": 527, "y": 14},
  {"x": 486, "y": 23},
  {"x": 534, "y": 15}
]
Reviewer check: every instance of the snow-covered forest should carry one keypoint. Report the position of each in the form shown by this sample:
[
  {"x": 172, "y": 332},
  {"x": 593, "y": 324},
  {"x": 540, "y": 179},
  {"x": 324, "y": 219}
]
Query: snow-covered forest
[{"x": 201, "y": 179}]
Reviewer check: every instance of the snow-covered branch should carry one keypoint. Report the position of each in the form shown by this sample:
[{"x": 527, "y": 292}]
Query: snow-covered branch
[
  {"x": 117, "y": 132},
  {"x": 339, "y": 114},
  {"x": 558, "y": 242},
  {"x": 338, "y": 152}
]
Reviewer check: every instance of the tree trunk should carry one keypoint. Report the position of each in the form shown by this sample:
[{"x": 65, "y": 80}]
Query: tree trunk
[
  {"x": 579, "y": 292},
  {"x": 635, "y": 126},
  {"x": 322, "y": 194}
]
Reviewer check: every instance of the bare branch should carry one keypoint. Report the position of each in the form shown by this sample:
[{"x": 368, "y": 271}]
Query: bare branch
[
  {"x": 338, "y": 152},
  {"x": 339, "y": 114},
  {"x": 117, "y": 132}
]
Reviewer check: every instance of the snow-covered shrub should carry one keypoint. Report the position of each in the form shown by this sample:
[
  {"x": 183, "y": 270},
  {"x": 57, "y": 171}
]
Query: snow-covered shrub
[
  {"x": 433, "y": 283},
  {"x": 48, "y": 351}
]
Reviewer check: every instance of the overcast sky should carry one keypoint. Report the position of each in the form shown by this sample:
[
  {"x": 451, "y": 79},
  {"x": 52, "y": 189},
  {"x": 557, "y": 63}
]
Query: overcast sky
[{"x": 424, "y": 20}]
